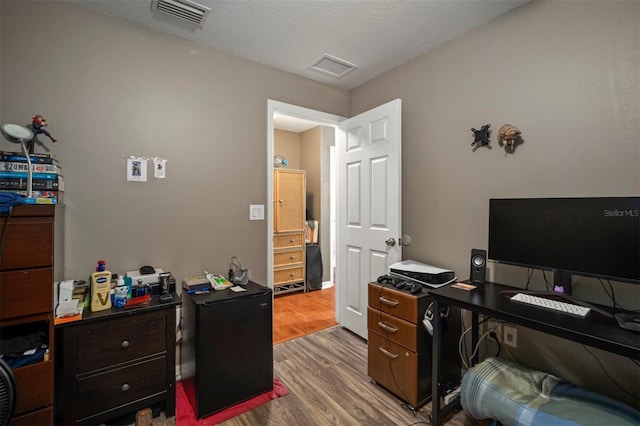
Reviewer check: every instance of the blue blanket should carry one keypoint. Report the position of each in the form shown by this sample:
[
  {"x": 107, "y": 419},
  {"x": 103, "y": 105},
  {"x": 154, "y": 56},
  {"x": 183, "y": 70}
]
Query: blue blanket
[{"x": 515, "y": 395}]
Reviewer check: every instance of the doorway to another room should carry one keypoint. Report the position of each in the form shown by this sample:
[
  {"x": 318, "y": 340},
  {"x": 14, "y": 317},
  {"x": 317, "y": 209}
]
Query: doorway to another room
[{"x": 308, "y": 144}]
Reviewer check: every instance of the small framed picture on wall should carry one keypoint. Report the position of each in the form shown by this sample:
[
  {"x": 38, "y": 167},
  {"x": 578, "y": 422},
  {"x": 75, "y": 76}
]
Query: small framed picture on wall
[{"x": 136, "y": 170}]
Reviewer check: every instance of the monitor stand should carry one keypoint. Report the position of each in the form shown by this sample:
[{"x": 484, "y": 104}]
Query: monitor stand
[{"x": 629, "y": 321}]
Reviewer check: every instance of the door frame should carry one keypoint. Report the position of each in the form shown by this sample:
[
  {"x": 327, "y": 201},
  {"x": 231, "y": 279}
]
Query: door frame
[{"x": 273, "y": 107}]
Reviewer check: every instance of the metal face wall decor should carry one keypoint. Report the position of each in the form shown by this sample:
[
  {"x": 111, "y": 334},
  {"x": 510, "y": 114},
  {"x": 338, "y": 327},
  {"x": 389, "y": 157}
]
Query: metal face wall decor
[
  {"x": 509, "y": 137},
  {"x": 481, "y": 137}
]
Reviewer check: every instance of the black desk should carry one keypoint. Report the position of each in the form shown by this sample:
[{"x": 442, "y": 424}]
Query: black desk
[{"x": 594, "y": 330}]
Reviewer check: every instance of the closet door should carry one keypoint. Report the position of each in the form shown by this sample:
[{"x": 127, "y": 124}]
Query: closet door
[{"x": 289, "y": 193}]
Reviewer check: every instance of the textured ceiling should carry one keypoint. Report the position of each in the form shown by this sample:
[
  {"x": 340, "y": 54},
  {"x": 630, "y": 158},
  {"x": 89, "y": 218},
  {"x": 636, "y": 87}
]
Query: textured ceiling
[{"x": 291, "y": 34}]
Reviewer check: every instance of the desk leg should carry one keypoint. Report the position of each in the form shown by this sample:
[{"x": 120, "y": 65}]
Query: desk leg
[
  {"x": 435, "y": 366},
  {"x": 474, "y": 336}
]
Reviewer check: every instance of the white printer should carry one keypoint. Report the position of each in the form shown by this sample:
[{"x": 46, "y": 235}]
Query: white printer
[{"x": 427, "y": 275}]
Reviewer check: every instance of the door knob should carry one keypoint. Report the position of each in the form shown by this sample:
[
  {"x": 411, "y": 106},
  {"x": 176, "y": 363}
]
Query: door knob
[{"x": 391, "y": 242}]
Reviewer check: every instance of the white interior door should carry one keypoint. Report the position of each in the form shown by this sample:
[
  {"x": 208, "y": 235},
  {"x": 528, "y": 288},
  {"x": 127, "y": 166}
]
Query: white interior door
[{"x": 369, "y": 207}]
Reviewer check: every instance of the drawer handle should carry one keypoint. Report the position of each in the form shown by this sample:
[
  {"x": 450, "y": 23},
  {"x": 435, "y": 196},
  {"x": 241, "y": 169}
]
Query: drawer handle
[
  {"x": 292, "y": 240},
  {"x": 291, "y": 257},
  {"x": 388, "y": 302},
  {"x": 125, "y": 387},
  {"x": 124, "y": 344},
  {"x": 281, "y": 201},
  {"x": 387, "y": 353},
  {"x": 292, "y": 274},
  {"x": 387, "y": 327}
]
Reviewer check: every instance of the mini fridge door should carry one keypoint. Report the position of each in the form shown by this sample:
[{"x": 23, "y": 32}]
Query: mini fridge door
[{"x": 234, "y": 350}]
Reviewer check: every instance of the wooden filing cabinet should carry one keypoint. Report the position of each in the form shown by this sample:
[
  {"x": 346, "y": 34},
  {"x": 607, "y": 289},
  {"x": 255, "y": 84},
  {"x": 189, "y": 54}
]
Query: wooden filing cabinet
[
  {"x": 26, "y": 306},
  {"x": 399, "y": 347},
  {"x": 115, "y": 362},
  {"x": 288, "y": 231}
]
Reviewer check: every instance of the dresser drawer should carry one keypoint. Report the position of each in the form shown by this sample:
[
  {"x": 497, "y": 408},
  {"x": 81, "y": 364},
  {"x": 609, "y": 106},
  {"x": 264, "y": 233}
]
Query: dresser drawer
[
  {"x": 393, "y": 328},
  {"x": 393, "y": 367},
  {"x": 286, "y": 258},
  {"x": 395, "y": 302},
  {"x": 288, "y": 275},
  {"x": 40, "y": 417},
  {"x": 112, "y": 389},
  {"x": 113, "y": 344},
  {"x": 26, "y": 292},
  {"x": 34, "y": 384},
  {"x": 288, "y": 240},
  {"x": 28, "y": 242}
]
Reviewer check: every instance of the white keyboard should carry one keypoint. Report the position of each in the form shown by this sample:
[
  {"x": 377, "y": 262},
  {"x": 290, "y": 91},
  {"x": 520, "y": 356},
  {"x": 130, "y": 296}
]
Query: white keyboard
[{"x": 555, "y": 305}]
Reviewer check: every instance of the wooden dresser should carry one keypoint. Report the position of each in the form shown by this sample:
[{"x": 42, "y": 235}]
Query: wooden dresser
[
  {"x": 115, "y": 362},
  {"x": 26, "y": 305},
  {"x": 288, "y": 231},
  {"x": 399, "y": 347}
]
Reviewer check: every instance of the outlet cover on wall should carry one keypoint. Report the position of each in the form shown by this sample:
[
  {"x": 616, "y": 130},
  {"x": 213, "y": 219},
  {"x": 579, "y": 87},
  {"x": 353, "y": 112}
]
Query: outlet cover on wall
[{"x": 510, "y": 335}]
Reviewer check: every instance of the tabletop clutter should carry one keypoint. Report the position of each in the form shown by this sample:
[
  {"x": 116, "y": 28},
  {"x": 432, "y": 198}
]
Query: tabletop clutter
[{"x": 105, "y": 290}]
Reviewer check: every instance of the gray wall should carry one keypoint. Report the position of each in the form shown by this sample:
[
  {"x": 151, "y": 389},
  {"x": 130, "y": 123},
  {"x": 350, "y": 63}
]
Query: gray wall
[
  {"x": 567, "y": 75},
  {"x": 111, "y": 89}
]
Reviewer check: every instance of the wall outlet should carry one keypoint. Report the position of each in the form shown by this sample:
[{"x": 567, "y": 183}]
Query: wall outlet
[{"x": 510, "y": 336}]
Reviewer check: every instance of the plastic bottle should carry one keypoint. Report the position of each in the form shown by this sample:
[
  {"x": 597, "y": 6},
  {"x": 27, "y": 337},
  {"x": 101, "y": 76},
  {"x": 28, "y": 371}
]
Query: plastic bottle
[{"x": 100, "y": 291}]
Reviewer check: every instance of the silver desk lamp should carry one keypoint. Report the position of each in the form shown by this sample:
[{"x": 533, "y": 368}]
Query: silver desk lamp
[{"x": 19, "y": 134}]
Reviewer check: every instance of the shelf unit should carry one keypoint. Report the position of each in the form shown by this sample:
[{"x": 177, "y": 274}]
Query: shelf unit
[{"x": 289, "y": 189}]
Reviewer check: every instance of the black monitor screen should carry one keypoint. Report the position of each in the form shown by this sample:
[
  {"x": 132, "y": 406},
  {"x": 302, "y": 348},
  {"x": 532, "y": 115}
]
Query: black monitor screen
[{"x": 597, "y": 237}]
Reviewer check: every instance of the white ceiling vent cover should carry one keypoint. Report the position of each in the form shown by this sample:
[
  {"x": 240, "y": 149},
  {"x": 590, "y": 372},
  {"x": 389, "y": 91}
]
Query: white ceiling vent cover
[
  {"x": 330, "y": 65},
  {"x": 182, "y": 9}
]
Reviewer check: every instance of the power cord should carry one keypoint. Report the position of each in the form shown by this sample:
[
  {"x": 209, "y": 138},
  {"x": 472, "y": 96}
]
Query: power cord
[{"x": 604, "y": 370}]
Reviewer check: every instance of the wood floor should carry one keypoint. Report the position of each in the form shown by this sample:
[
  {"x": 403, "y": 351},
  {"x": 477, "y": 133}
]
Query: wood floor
[
  {"x": 326, "y": 375},
  {"x": 299, "y": 314}
]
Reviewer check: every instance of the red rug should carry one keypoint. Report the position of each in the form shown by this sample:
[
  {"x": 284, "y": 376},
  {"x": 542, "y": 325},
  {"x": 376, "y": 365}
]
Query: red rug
[{"x": 186, "y": 417}]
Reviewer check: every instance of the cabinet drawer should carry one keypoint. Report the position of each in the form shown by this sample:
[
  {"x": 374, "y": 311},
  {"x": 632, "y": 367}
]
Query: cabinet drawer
[
  {"x": 288, "y": 275},
  {"x": 123, "y": 341},
  {"x": 286, "y": 258},
  {"x": 394, "y": 302},
  {"x": 393, "y": 367},
  {"x": 288, "y": 240},
  {"x": 28, "y": 243},
  {"x": 121, "y": 386},
  {"x": 393, "y": 328},
  {"x": 34, "y": 384},
  {"x": 40, "y": 417},
  {"x": 26, "y": 292}
]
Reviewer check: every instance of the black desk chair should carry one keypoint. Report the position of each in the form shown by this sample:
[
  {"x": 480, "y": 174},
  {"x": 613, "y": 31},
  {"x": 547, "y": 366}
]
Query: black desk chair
[{"x": 7, "y": 393}]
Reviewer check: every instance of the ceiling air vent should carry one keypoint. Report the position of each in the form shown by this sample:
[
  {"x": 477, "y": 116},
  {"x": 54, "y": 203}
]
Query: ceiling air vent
[
  {"x": 330, "y": 65},
  {"x": 182, "y": 9}
]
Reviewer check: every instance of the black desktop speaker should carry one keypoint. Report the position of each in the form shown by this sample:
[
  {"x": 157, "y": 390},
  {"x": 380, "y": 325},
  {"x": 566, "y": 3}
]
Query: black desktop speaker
[{"x": 478, "y": 266}]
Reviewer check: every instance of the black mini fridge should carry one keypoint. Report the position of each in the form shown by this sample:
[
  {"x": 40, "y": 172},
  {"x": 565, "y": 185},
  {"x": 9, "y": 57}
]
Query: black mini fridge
[{"x": 227, "y": 349}]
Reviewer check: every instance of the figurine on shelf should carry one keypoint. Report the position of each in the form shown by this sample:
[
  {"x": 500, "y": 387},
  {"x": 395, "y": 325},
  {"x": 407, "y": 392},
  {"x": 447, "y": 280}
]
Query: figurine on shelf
[
  {"x": 37, "y": 124},
  {"x": 481, "y": 137}
]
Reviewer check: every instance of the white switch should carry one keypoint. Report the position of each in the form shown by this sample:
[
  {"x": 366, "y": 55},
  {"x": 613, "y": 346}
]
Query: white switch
[{"x": 256, "y": 212}]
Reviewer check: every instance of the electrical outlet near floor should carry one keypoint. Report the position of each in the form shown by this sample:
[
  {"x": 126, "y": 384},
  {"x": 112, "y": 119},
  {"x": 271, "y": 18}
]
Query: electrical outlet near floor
[{"x": 510, "y": 335}]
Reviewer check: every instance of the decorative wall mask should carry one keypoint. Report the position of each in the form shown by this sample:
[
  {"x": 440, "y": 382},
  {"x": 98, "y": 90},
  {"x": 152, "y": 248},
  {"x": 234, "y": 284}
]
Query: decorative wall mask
[
  {"x": 508, "y": 136},
  {"x": 481, "y": 137}
]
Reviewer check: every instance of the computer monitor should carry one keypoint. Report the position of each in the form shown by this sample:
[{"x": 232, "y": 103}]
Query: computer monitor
[{"x": 594, "y": 237}]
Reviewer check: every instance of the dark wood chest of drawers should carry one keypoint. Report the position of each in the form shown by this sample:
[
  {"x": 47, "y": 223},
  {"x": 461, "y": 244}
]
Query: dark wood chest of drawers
[
  {"x": 399, "y": 347},
  {"x": 26, "y": 305},
  {"x": 116, "y": 362}
]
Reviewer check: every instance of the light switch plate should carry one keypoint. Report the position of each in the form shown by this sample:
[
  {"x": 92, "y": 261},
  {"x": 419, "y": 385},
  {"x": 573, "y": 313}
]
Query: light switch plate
[{"x": 256, "y": 212}]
